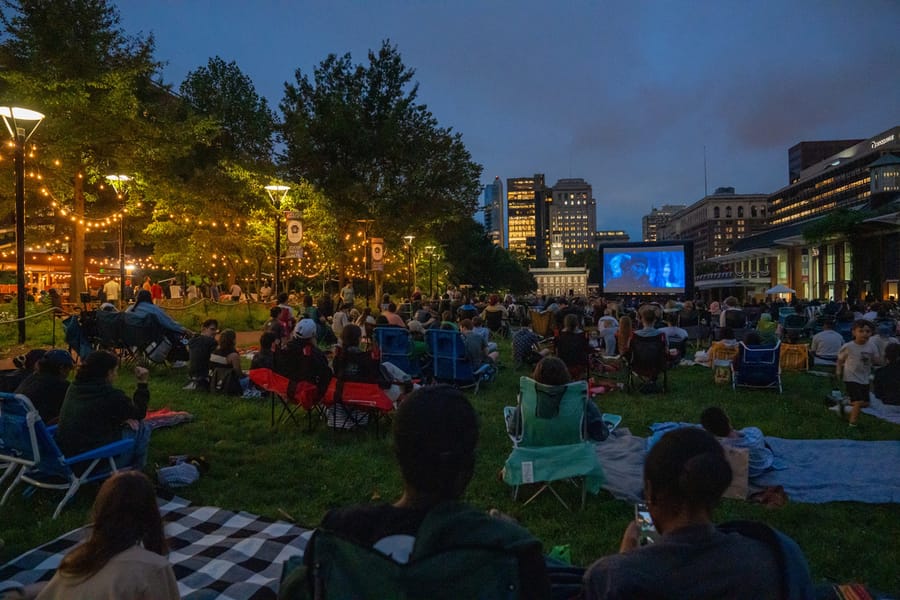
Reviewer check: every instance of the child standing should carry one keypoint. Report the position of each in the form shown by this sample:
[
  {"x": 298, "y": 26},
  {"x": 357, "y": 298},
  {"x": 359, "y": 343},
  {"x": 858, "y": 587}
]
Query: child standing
[{"x": 854, "y": 366}]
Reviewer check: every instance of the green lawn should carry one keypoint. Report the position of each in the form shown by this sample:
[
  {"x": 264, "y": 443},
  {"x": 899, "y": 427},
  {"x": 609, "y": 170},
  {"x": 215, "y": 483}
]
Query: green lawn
[{"x": 287, "y": 471}]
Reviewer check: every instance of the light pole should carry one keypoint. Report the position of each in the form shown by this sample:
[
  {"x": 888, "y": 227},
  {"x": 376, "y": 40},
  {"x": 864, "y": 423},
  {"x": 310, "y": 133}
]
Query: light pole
[
  {"x": 18, "y": 121},
  {"x": 365, "y": 223},
  {"x": 430, "y": 251},
  {"x": 119, "y": 183},
  {"x": 409, "y": 276},
  {"x": 277, "y": 193}
]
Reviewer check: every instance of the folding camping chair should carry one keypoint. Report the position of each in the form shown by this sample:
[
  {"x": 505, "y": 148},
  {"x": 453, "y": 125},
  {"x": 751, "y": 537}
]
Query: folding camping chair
[
  {"x": 493, "y": 320},
  {"x": 794, "y": 357},
  {"x": 549, "y": 439},
  {"x": 449, "y": 363},
  {"x": 542, "y": 323},
  {"x": 31, "y": 455},
  {"x": 395, "y": 346},
  {"x": 354, "y": 404},
  {"x": 647, "y": 360},
  {"x": 757, "y": 367},
  {"x": 293, "y": 396}
]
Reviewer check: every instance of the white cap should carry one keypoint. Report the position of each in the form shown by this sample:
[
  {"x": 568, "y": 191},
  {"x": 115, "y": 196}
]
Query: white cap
[{"x": 305, "y": 329}]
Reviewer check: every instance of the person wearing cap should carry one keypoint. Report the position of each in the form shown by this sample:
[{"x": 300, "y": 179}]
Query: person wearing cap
[
  {"x": 25, "y": 366},
  {"x": 47, "y": 386},
  {"x": 301, "y": 360}
]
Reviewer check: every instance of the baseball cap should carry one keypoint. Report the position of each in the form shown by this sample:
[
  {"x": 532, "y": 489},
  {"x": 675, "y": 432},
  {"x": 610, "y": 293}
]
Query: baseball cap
[
  {"x": 305, "y": 329},
  {"x": 59, "y": 357}
]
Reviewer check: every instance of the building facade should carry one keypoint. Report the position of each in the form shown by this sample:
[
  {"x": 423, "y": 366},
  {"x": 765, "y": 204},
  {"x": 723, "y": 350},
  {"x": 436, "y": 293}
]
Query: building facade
[
  {"x": 838, "y": 181},
  {"x": 492, "y": 204},
  {"x": 556, "y": 279},
  {"x": 803, "y": 155},
  {"x": 573, "y": 215},
  {"x": 716, "y": 222},
  {"x": 524, "y": 197},
  {"x": 658, "y": 217}
]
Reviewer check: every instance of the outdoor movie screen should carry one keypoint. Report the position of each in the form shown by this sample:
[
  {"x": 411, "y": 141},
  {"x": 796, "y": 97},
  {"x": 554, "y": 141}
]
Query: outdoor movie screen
[{"x": 658, "y": 268}]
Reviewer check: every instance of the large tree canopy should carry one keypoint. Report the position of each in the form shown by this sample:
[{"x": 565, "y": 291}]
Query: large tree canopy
[{"x": 359, "y": 134}]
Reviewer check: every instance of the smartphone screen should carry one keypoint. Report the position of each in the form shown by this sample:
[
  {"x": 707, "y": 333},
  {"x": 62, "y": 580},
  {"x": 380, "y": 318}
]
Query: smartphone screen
[{"x": 648, "y": 533}]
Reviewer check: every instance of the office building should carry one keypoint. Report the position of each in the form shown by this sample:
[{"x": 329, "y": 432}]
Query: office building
[
  {"x": 715, "y": 222},
  {"x": 526, "y": 199},
  {"x": 492, "y": 203},
  {"x": 838, "y": 181},
  {"x": 805, "y": 154},
  {"x": 573, "y": 215},
  {"x": 610, "y": 235},
  {"x": 651, "y": 223}
]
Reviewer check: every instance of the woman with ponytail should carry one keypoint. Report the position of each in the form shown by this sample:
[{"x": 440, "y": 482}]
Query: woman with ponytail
[{"x": 685, "y": 475}]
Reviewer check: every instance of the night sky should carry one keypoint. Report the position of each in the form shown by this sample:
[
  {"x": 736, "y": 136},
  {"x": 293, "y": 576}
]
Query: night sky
[{"x": 623, "y": 94}]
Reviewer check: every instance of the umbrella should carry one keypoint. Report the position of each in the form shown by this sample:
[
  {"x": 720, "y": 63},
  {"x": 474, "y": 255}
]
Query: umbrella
[{"x": 780, "y": 289}]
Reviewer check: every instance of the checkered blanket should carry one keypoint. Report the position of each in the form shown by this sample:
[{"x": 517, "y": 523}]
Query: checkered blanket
[{"x": 236, "y": 555}]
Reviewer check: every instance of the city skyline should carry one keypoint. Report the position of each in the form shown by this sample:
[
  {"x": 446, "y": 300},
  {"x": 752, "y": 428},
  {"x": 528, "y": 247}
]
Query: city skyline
[{"x": 628, "y": 97}]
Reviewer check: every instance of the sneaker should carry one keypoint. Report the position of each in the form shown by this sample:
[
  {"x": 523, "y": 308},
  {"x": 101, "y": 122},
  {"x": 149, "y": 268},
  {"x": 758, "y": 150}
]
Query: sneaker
[
  {"x": 837, "y": 408},
  {"x": 854, "y": 425},
  {"x": 179, "y": 364}
]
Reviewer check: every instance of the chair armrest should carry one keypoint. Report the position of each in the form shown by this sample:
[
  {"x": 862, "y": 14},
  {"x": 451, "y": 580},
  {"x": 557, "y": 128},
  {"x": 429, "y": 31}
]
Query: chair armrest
[{"x": 113, "y": 449}]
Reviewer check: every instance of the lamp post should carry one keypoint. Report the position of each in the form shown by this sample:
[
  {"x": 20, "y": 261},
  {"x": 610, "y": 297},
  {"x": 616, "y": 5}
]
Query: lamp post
[
  {"x": 277, "y": 193},
  {"x": 430, "y": 251},
  {"x": 365, "y": 223},
  {"x": 119, "y": 184},
  {"x": 409, "y": 275},
  {"x": 18, "y": 121}
]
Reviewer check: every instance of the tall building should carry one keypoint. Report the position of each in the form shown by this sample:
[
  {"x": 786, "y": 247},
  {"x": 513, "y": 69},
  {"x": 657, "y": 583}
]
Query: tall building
[
  {"x": 525, "y": 213},
  {"x": 573, "y": 215},
  {"x": 715, "y": 222},
  {"x": 494, "y": 224},
  {"x": 651, "y": 223},
  {"x": 838, "y": 181},
  {"x": 805, "y": 154}
]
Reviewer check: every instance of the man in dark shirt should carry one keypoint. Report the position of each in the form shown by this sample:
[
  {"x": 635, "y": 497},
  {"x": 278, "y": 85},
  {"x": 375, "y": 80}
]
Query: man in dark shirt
[
  {"x": 200, "y": 348},
  {"x": 46, "y": 388}
]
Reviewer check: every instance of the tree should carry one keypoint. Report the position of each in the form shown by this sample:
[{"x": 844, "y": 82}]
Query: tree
[
  {"x": 246, "y": 124},
  {"x": 70, "y": 60},
  {"x": 475, "y": 260},
  {"x": 359, "y": 134}
]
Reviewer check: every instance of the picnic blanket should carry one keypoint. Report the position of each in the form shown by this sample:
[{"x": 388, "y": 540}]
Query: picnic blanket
[
  {"x": 814, "y": 471},
  {"x": 880, "y": 410},
  {"x": 835, "y": 470},
  {"x": 237, "y": 555}
]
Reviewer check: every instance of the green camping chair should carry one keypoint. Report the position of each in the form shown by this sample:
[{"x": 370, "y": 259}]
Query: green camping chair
[{"x": 549, "y": 441}]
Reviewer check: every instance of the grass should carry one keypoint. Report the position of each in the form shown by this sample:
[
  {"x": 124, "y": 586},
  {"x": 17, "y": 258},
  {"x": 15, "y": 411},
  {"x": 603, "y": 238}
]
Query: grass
[{"x": 287, "y": 471}]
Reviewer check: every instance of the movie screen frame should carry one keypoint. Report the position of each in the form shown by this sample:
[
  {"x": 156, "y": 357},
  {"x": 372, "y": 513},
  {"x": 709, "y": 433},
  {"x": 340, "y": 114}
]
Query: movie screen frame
[{"x": 647, "y": 268}]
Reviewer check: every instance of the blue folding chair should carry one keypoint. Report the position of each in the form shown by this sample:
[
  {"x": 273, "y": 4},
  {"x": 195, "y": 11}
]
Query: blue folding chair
[
  {"x": 757, "y": 367},
  {"x": 449, "y": 362},
  {"x": 395, "y": 346},
  {"x": 29, "y": 454}
]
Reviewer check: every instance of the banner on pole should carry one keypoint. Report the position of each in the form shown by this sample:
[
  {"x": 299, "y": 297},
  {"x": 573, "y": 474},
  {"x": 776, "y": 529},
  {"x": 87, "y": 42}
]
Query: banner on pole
[
  {"x": 377, "y": 248},
  {"x": 294, "y": 234}
]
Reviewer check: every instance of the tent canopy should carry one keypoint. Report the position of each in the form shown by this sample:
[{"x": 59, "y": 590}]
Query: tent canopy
[{"x": 780, "y": 289}]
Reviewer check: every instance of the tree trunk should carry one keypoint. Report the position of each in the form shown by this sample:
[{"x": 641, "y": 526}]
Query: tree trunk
[{"x": 76, "y": 281}]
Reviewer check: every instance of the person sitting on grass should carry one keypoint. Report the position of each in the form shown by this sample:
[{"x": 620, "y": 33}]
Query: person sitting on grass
[
  {"x": 886, "y": 385},
  {"x": 47, "y": 387},
  {"x": 435, "y": 437},
  {"x": 124, "y": 556},
  {"x": 685, "y": 475},
  {"x": 226, "y": 355},
  {"x": 854, "y": 366},
  {"x": 200, "y": 348},
  {"x": 761, "y": 458}
]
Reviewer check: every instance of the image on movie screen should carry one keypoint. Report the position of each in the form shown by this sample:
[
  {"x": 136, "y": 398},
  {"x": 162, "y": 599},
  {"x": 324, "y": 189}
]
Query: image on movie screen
[{"x": 644, "y": 270}]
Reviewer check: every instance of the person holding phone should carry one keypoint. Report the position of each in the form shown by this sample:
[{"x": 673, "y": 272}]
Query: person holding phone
[{"x": 684, "y": 477}]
